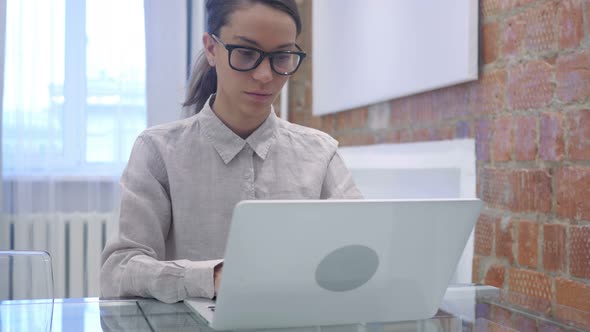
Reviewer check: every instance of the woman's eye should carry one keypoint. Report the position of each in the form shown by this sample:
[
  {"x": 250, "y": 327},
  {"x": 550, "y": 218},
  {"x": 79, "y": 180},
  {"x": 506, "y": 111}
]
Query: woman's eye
[
  {"x": 282, "y": 59},
  {"x": 246, "y": 53}
]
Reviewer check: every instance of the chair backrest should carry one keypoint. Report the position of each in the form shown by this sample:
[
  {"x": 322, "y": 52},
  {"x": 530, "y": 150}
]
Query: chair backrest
[{"x": 26, "y": 290}]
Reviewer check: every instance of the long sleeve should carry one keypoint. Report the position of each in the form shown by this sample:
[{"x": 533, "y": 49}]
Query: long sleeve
[
  {"x": 338, "y": 182},
  {"x": 133, "y": 262}
]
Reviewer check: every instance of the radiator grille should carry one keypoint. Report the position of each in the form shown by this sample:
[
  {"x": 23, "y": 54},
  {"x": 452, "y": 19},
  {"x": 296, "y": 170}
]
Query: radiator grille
[{"x": 75, "y": 242}]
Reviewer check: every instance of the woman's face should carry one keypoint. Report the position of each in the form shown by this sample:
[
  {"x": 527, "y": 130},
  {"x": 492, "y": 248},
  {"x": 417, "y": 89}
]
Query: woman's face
[{"x": 250, "y": 94}]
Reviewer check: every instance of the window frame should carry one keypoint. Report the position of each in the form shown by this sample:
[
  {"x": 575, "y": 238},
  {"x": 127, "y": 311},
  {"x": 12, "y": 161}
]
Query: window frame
[{"x": 72, "y": 161}]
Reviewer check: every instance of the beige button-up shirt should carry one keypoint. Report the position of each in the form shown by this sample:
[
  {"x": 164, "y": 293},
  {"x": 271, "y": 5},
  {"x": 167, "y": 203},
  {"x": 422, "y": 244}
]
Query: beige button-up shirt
[{"x": 179, "y": 189}]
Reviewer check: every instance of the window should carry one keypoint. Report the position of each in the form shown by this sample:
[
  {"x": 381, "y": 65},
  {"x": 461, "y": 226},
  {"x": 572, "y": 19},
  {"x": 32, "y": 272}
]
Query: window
[{"x": 74, "y": 86}]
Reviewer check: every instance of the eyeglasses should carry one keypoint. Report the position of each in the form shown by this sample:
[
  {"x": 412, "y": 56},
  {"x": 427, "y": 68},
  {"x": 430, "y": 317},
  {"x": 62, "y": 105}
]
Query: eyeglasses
[{"x": 244, "y": 58}]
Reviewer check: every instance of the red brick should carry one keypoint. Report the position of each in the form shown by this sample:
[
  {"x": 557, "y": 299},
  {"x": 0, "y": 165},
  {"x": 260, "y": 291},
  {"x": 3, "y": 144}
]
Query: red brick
[
  {"x": 351, "y": 139},
  {"x": 570, "y": 23},
  {"x": 579, "y": 135},
  {"x": 445, "y": 133},
  {"x": 519, "y": 3},
  {"x": 528, "y": 236},
  {"x": 484, "y": 234},
  {"x": 315, "y": 122},
  {"x": 573, "y": 294},
  {"x": 502, "y": 140},
  {"x": 298, "y": 118},
  {"x": 494, "y": 7},
  {"x": 475, "y": 270},
  {"x": 502, "y": 317},
  {"x": 490, "y": 42},
  {"x": 483, "y": 135},
  {"x": 522, "y": 323},
  {"x": 540, "y": 27},
  {"x": 573, "y": 77},
  {"x": 525, "y": 138},
  {"x": 549, "y": 327},
  {"x": 389, "y": 137},
  {"x": 551, "y": 141},
  {"x": 479, "y": 171},
  {"x": 395, "y": 136},
  {"x": 504, "y": 239},
  {"x": 401, "y": 113},
  {"x": 425, "y": 134},
  {"x": 513, "y": 36},
  {"x": 495, "y": 187},
  {"x": 579, "y": 252},
  {"x": 495, "y": 276},
  {"x": 530, "y": 85},
  {"x": 405, "y": 136},
  {"x": 463, "y": 130},
  {"x": 572, "y": 194},
  {"x": 554, "y": 247},
  {"x": 352, "y": 119},
  {"x": 327, "y": 123},
  {"x": 452, "y": 102},
  {"x": 520, "y": 190},
  {"x": 422, "y": 108},
  {"x": 530, "y": 283},
  {"x": 531, "y": 31},
  {"x": 489, "y": 92},
  {"x": 531, "y": 190}
]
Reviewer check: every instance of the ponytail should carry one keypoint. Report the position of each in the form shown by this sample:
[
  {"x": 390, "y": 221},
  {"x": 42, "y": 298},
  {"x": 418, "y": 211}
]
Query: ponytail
[{"x": 202, "y": 84}]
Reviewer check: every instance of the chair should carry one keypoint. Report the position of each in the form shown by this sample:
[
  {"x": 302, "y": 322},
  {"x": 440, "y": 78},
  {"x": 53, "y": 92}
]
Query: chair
[{"x": 26, "y": 291}]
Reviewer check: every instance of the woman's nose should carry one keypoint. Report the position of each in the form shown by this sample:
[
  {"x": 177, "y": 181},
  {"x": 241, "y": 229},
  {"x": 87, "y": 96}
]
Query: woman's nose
[{"x": 263, "y": 72}]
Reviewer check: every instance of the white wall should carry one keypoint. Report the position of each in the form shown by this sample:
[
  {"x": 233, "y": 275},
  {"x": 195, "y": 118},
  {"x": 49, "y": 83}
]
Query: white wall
[
  {"x": 2, "y": 43},
  {"x": 166, "y": 59}
]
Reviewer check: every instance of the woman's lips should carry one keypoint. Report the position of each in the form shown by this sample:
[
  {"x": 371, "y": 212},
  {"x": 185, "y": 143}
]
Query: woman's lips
[{"x": 259, "y": 96}]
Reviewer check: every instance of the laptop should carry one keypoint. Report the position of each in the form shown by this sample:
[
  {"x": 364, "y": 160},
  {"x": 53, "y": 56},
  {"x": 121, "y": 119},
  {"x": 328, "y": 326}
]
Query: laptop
[{"x": 295, "y": 263}]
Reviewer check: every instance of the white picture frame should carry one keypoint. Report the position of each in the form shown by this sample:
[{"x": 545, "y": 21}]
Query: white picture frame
[{"x": 371, "y": 51}]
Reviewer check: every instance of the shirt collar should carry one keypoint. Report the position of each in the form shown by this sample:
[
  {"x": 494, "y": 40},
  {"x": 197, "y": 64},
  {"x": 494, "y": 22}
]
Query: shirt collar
[{"x": 227, "y": 143}]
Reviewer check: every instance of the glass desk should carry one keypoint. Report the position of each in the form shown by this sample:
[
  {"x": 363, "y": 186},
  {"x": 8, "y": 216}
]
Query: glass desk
[{"x": 464, "y": 308}]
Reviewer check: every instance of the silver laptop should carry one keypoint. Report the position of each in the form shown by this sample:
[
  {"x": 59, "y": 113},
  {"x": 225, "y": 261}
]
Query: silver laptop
[{"x": 334, "y": 262}]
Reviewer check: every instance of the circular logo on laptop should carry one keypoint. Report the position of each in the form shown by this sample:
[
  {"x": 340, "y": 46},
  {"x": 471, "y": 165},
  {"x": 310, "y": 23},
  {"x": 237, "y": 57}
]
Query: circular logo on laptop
[{"x": 347, "y": 268}]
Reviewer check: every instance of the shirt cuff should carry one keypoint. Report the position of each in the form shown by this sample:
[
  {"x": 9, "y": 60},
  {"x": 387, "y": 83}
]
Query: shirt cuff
[{"x": 198, "y": 278}]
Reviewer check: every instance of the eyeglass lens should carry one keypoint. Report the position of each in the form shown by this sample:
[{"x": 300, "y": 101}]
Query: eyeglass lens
[{"x": 246, "y": 59}]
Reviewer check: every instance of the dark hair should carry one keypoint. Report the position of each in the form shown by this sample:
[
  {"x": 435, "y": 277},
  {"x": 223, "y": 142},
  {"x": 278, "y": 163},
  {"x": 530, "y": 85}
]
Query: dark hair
[{"x": 203, "y": 78}]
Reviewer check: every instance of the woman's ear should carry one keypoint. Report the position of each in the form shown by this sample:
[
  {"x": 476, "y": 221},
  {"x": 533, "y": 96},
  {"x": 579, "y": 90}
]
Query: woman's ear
[{"x": 209, "y": 48}]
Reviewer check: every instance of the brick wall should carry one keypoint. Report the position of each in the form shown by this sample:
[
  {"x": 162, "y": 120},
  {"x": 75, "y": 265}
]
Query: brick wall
[{"x": 529, "y": 113}]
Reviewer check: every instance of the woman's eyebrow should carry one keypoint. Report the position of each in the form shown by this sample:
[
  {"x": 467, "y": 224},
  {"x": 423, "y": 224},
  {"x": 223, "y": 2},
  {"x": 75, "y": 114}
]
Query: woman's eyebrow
[{"x": 253, "y": 42}]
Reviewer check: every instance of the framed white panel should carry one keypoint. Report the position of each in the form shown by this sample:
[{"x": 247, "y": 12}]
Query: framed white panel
[{"x": 366, "y": 52}]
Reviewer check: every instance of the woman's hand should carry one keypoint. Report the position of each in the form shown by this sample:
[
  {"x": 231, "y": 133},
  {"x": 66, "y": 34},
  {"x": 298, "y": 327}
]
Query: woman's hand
[{"x": 217, "y": 276}]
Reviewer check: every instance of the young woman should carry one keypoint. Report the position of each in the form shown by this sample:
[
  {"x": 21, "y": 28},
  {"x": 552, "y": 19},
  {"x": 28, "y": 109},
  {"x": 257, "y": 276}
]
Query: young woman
[{"x": 184, "y": 178}]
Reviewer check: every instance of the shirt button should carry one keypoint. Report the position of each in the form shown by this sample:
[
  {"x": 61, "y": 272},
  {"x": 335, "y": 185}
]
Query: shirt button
[{"x": 247, "y": 175}]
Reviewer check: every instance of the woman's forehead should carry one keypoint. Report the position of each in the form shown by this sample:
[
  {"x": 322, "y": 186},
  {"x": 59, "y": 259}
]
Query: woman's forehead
[{"x": 265, "y": 25}]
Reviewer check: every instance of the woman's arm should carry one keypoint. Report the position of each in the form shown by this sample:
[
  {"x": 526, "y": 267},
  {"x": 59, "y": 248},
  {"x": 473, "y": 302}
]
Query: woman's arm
[
  {"x": 338, "y": 183},
  {"x": 133, "y": 262}
]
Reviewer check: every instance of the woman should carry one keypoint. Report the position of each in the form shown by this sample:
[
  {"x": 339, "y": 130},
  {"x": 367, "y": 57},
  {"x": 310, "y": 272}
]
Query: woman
[{"x": 184, "y": 178}]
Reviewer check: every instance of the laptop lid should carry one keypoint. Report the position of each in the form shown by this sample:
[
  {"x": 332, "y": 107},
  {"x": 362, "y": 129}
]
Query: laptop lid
[{"x": 332, "y": 262}]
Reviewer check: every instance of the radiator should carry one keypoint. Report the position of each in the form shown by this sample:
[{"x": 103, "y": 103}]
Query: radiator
[{"x": 74, "y": 241}]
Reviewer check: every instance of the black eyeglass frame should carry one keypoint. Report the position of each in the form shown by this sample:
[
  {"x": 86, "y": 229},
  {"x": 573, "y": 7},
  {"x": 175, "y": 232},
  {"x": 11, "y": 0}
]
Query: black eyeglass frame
[{"x": 263, "y": 54}]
